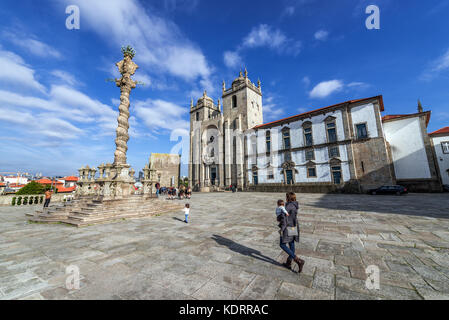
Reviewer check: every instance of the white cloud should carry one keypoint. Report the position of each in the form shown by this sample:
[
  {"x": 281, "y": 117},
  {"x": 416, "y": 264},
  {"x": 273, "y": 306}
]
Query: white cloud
[
  {"x": 35, "y": 47},
  {"x": 358, "y": 84},
  {"x": 66, "y": 77},
  {"x": 436, "y": 67},
  {"x": 232, "y": 59},
  {"x": 13, "y": 70},
  {"x": 41, "y": 125},
  {"x": 159, "y": 43},
  {"x": 326, "y": 88},
  {"x": 161, "y": 115},
  {"x": 266, "y": 36},
  {"x": 289, "y": 11},
  {"x": 321, "y": 35},
  {"x": 306, "y": 81},
  {"x": 261, "y": 36},
  {"x": 271, "y": 111}
]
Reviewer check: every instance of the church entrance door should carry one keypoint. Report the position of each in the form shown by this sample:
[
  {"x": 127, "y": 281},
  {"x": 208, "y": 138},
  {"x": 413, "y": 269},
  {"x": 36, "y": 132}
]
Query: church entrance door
[{"x": 213, "y": 175}]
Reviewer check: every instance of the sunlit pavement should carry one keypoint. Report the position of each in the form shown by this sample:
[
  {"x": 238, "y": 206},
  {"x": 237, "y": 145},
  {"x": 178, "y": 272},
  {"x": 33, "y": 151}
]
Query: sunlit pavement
[{"x": 230, "y": 250}]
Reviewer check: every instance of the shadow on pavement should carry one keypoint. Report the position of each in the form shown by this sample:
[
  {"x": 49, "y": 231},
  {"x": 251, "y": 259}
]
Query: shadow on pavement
[
  {"x": 246, "y": 251},
  {"x": 414, "y": 204}
]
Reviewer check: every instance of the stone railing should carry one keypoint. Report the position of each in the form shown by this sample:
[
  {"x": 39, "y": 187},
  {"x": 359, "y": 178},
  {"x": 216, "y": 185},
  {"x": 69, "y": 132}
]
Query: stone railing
[{"x": 38, "y": 199}]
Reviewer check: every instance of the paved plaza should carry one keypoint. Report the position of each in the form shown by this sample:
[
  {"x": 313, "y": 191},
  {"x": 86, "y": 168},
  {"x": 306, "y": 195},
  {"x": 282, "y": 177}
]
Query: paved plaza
[{"x": 230, "y": 250}]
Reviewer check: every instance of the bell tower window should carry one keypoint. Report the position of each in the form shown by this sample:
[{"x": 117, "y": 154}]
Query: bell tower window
[{"x": 234, "y": 101}]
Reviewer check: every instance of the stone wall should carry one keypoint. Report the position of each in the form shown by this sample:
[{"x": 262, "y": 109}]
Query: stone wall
[
  {"x": 372, "y": 164},
  {"x": 167, "y": 166},
  {"x": 6, "y": 200},
  {"x": 305, "y": 188}
]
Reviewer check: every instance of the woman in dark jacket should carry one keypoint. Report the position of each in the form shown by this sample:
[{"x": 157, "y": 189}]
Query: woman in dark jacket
[{"x": 287, "y": 241}]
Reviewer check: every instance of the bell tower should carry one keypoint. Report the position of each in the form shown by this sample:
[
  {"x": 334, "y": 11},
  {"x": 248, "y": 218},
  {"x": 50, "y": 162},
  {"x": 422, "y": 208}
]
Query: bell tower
[{"x": 242, "y": 103}]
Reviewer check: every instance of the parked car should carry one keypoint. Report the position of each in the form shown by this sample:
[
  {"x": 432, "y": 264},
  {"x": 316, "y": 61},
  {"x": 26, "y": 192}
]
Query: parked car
[
  {"x": 446, "y": 187},
  {"x": 397, "y": 190}
]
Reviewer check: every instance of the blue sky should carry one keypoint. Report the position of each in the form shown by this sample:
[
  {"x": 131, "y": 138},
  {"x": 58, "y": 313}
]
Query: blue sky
[{"x": 58, "y": 112}]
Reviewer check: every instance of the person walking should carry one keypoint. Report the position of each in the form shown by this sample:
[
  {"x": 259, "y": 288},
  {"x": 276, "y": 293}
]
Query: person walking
[
  {"x": 290, "y": 231},
  {"x": 48, "y": 194},
  {"x": 158, "y": 188},
  {"x": 187, "y": 213}
]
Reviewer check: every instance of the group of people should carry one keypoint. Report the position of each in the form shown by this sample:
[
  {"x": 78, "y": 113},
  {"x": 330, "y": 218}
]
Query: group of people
[{"x": 180, "y": 193}]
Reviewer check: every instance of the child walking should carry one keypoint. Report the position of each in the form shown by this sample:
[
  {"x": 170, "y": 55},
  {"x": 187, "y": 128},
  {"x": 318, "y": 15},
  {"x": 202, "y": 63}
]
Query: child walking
[{"x": 187, "y": 212}]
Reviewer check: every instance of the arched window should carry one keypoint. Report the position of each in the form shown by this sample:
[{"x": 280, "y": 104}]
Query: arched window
[
  {"x": 234, "y": 101},
  {"x": 308, "y": 136}
]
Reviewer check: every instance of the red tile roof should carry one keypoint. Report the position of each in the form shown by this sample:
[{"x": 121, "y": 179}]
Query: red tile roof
[
  {"x": 65, "y": 190},
  {"x": 442, "y": 131},
  {"x": 293, "y": 118},
  {"x": 75, "y": 179},
  {"x": 15, "y": 185},
  {"x": 400, "y": 116},
  {"x": 48, "y": 181}
]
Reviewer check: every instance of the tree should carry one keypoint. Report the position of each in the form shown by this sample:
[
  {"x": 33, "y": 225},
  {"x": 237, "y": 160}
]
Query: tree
[{"x": 31, "y": 188}]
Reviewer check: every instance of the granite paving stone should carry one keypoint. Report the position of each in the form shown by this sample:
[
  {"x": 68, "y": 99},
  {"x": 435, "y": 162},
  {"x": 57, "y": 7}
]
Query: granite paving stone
[{"x": 230, "y": 250}]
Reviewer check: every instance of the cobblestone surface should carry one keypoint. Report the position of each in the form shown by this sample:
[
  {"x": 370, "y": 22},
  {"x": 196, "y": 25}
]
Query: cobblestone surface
[{"x": 230, "y": 251}]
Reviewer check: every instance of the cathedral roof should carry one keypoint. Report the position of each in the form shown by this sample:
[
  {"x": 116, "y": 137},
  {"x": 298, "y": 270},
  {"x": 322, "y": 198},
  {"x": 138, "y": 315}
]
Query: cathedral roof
[{"x": 309, "y": 113}]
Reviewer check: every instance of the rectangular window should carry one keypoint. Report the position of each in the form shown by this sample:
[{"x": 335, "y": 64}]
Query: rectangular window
[
  {"x": 334, "y": 152},
  {"x": 197, "y": 116},
  {"x": 445, "y": 146},
  {"x": 286, "y": 137},
  {"x": 362, "y": 132},
  {"x": 270, "y": 175},
  {"x": 308, "y": 136},
  {"x": 268, "y": 141},
  {"x": 310, "y": 155},
  {"x": 311, "y": 172},
  {"x": 331, "y": 132}
]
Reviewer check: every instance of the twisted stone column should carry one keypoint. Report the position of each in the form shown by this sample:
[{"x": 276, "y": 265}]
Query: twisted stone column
[{"x": 127, "y": 68}]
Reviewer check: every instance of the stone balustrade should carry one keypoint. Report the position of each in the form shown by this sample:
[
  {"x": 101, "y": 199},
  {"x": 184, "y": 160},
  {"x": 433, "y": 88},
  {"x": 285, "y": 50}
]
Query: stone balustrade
[{"x": 38, "y": 199}]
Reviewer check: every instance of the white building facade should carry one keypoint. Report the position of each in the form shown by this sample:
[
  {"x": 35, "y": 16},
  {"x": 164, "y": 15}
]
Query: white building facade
[
  {"x": 440, "y": 142},
  {"x": 337, "y": 147},
  {"x": 412, "y": 153},
  {"x": 347, "y": 147}
]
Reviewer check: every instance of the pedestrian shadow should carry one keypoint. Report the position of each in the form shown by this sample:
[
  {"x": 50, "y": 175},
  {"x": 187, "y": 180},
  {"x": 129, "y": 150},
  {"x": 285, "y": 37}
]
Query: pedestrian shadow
[
  {"x": 177, "y": 219},
  {"x": 246, "y": 251}
]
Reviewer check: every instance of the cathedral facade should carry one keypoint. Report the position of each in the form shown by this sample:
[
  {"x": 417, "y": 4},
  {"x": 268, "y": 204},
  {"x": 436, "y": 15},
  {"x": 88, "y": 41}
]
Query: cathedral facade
[
  {"x": 217, "y": 144},
  {"x": 345, "y": 147}
]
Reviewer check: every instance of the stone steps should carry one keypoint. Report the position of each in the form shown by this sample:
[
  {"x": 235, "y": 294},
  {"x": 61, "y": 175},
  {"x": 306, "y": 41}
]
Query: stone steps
[{"x": 87, "y": 211}]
